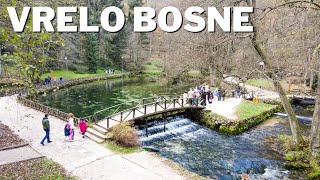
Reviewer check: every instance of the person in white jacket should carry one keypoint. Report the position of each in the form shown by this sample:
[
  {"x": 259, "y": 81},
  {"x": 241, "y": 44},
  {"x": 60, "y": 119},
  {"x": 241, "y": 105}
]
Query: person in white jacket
[{"x": 71, "y": 124}]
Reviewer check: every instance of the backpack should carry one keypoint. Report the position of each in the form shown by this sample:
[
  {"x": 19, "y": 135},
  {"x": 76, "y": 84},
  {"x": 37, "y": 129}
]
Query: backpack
[{"x": 67, "y": 130}]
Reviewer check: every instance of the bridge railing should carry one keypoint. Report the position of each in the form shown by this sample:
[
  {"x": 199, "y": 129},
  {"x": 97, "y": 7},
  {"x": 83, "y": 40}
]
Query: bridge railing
[
  {"x": 150, "y": 108},
  {"x": 117, "y": 109}
]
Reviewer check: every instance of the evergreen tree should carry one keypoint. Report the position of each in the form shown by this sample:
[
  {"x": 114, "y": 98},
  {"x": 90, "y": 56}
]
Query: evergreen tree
[{"x": 92, "y": 52}]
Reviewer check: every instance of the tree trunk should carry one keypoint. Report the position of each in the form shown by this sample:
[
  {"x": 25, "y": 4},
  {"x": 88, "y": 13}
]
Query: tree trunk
[
  {"x": 315, "y": 127},
  {"x": 294, "y": 123},
  {"x": 257, "y": 44}
]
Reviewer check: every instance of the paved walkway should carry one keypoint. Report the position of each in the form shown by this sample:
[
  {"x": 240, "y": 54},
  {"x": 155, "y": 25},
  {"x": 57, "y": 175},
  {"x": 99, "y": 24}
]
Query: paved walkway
[
  {"x": 225, "y": 108},
  {"x": 262, "y": 93},
  {"x": 83, "y": 157},
  {"x": 18, "y": 154}
]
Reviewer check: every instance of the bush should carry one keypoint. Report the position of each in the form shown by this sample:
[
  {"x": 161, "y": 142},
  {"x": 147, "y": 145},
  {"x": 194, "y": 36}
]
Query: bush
[{"x": 124, "y": 135}]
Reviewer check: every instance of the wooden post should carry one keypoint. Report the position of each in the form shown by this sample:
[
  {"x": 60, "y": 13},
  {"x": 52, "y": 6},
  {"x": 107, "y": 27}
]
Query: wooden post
[
  {"x": 134, "y": 112},
  {"x": 121, "y": 116},
  {"x": 108, "y": 122},
  {"x": 155, "y": 107},
  {"x": 145, "y": 109},
  {"x": 146, "y": 125},
  {"x": 182, "y": 102},
  {"x": 165, "y": 104},
  {"x": 164, "y": 122},
  {"x": 174, "y": 103}
]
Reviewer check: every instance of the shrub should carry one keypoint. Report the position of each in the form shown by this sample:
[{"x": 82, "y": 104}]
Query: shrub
[{"x": 125, "y": 135}]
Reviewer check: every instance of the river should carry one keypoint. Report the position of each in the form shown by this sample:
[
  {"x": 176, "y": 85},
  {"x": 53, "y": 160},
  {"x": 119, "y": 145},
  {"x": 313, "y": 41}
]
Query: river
[{"x": 196, "y": 148}]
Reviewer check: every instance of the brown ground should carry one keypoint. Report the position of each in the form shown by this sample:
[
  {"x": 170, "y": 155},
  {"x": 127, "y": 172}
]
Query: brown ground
[
  {"x": 34, "y": 169},
  {"x": 8, "y": 138}
]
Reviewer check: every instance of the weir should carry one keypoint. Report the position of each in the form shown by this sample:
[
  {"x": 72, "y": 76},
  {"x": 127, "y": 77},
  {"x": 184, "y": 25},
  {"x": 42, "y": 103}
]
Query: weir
[{"x": 141, "y": 114}]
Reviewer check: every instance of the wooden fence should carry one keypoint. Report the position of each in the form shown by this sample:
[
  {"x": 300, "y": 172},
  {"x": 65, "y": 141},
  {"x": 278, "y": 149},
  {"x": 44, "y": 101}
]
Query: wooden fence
[
  {"x": 65, "y": 83},
  {"x": 45, "y": 109}
]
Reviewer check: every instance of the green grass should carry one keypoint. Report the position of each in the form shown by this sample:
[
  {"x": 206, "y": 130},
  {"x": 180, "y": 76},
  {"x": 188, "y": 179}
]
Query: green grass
[
  {"x": 154, "y": 67},
  {"x": 247, "y": 109},
  {"x": 120, "y": 149},
  {"x": 264, "y": 83},
  {"x": 71, "y": 75},
  {"x": 42, "y": 168}
]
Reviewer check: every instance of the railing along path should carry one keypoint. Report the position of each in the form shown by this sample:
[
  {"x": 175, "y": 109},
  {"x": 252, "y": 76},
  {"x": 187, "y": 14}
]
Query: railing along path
[{"x": 139, "y": 109}]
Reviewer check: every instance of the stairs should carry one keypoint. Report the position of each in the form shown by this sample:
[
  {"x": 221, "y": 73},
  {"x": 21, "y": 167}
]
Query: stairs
[{"x": 97, "y": 133}]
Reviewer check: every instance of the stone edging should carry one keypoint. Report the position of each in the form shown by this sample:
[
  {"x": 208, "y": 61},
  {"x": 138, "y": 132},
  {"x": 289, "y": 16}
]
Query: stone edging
[{"x": 13, "y": 147}]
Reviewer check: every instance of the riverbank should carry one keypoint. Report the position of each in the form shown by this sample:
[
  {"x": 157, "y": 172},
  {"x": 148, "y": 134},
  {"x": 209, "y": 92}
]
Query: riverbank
[
  {"x": 235, "y": 116},
  {"x": 82, "y": 158}
]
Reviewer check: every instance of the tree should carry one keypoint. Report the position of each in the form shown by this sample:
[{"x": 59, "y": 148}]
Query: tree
[
  {"x": 315, "y": 127},
  {"x": 30, "y": 50},
  {"x": 92, "y": 52}
]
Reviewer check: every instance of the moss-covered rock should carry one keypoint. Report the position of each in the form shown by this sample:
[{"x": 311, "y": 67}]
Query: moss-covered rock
[
  {"x": 315, "y": 174},
  {"x": 296, "y": 166}
]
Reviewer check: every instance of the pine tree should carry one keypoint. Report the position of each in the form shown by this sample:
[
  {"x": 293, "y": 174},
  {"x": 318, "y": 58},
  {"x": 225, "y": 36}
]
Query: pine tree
[{"x": 92, "y": 52}]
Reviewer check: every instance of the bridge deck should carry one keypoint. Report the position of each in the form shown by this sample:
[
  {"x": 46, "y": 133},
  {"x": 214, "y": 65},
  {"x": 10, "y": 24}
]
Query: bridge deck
[{"x": 143, "y": 112}]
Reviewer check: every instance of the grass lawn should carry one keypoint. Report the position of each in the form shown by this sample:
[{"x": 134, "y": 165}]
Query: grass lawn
[
  {"x": 154, "y": 67},
  {"x": 120, "y": 149},
  {"x": 34, "y": 169},
  {"x": 265, "y": 83},
  {"x": 247, "y": 109},
  {"x": 71, "y": 75}
]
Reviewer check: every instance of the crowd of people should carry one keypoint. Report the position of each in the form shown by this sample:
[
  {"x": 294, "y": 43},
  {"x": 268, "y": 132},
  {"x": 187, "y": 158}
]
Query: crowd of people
[
  {"x": 203, "y": 95},
  {"x": 69, "y": 131},
  {"x": 52, "y": 80}
]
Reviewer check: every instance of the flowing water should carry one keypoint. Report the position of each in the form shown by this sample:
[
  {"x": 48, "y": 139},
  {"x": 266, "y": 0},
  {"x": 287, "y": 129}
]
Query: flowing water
[{"x": 210, "y": 154}]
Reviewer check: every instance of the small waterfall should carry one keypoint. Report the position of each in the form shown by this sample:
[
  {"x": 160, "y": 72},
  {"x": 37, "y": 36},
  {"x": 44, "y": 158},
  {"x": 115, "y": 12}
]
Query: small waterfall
[
  {"x": 302, "y": 118},
  {"x": 173, "y": 128}
]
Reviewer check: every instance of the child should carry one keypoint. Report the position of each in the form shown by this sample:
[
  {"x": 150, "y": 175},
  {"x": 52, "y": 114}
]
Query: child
[
  {"x": 67, "y": 131},
  {"x": 83, "y": 127}
]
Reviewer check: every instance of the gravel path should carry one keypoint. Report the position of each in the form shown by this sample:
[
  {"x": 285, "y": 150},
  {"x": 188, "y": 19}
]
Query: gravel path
[{"x": 83, "y": 157}]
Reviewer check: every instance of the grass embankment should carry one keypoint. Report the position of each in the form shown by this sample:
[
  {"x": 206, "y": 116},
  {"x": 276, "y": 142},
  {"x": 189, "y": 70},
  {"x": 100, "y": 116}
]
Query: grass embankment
[
  {"x": 265, "y": 83},
  {"x": 249, "y": 115},
  {"x": 112, "y": 146},
  {"x": 247, "y": 109},
  {"x": 71, "y": 74},
  {"x": 154, "y": 67},
  {"x": 300, "y": 159},
  {"x": 34, "y": 169}
]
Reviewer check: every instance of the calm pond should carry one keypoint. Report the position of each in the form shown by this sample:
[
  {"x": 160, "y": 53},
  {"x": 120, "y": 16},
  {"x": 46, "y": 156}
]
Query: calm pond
[{"x": 84, "y": 100}]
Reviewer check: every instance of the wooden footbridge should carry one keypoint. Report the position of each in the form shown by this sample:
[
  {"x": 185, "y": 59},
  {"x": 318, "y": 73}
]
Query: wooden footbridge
[{"x": 138, "y": 110}]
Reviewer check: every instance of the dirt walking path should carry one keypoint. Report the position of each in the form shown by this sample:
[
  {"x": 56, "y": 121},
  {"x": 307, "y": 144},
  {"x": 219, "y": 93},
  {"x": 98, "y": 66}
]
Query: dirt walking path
[{"x": 83, "y": 157}]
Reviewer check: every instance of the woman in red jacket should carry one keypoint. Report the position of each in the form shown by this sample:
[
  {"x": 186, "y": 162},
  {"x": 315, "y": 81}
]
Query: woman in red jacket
[{"x": 83, "y": 127}]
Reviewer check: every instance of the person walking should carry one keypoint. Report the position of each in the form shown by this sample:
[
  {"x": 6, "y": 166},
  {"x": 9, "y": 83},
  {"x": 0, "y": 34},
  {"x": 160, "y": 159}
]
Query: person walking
[
  {"x": 223, "y": 94},
  {"x": 216, "y": 94},
  {"x": 71, "y": 124},
  {"x": 46, "y": 128},
  {"x": 238, "y": 92},
  {"x": 83, "y": 127}
]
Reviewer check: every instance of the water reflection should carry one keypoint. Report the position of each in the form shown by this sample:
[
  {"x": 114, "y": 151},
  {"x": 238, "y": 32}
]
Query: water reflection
[{"x": 84, "y": 100}]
